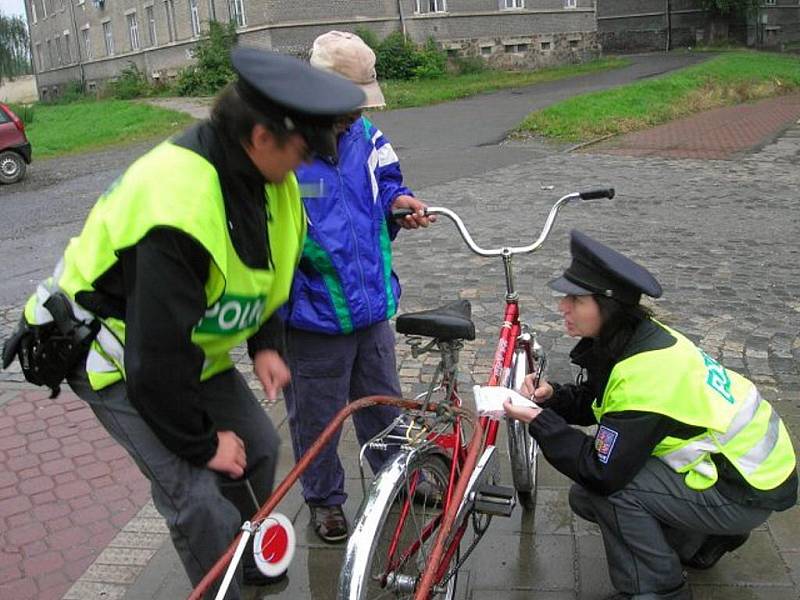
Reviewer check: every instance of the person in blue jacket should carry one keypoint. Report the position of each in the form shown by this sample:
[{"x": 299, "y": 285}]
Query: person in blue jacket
[{"x": 340, "y": 343}]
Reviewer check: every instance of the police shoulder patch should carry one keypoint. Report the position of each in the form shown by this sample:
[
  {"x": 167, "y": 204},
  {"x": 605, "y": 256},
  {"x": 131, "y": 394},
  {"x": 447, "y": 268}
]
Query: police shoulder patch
[{"x": 604, "y": 443}]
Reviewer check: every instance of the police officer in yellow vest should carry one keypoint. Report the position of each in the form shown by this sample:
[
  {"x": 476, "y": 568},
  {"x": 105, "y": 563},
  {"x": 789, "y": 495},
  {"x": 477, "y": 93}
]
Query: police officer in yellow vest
[
  {"x": 687, "y": 457},
  {"x": 187, "y": 255}
]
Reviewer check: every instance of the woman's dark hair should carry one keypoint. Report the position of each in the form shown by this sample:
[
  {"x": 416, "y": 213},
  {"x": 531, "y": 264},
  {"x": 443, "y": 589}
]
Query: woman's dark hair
[
  {"x": 233, "y": 116},
  {"x": 619, "y": 322}
]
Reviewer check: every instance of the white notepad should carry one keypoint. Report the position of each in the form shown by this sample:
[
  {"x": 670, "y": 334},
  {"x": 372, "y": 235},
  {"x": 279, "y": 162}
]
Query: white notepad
[{"x": 489, "y": 400}]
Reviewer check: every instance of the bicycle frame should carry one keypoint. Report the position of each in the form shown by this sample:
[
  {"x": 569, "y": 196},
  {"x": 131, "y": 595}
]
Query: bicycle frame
[{"x": 510, "y": 342}]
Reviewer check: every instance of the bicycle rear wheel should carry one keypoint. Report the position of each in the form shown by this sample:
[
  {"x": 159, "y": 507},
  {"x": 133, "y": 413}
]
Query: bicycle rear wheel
[{"x": 388, "y": 550}]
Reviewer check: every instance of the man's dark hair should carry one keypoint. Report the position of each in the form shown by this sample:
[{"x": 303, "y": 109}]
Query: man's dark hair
[
  {"x": 233, "y": 116},
  {"x": 619, "y": 322}
]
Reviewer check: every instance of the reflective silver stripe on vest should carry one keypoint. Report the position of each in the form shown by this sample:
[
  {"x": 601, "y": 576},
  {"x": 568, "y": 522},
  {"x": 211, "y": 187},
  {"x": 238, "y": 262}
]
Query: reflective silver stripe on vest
[
  {"x": 97, "y": 363},
  {"x": 682, "y": 457},
  {"x": 40, "y": 314},
  {"x": 746, "y": 414},
  {"x": 112, "y": 347},
  {"x": 759, "y": 453}
]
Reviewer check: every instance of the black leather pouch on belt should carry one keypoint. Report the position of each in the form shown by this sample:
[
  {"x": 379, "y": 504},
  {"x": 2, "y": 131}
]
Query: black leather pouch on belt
[{"x": 47, "y": 353}]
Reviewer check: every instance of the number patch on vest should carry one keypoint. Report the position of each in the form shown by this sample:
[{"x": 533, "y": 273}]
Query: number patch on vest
[
  {"x": 604, "y": 443},
  {"x": 717, "y": 378},
  {"x": 232, "y": 314}
]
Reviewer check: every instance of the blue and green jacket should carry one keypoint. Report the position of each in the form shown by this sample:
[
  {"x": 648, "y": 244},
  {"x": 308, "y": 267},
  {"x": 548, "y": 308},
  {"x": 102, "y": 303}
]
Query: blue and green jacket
[{"x": 345, "y": 280}]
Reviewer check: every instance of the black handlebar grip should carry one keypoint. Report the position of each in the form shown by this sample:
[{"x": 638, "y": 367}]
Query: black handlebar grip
[
  {"x": 597, "y": 194},
  {"x": 401, "y": 213}
]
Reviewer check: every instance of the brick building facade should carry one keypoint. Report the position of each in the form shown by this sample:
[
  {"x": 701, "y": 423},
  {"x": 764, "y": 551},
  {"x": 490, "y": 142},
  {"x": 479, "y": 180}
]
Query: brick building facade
[{"x": 93, "y": 40}]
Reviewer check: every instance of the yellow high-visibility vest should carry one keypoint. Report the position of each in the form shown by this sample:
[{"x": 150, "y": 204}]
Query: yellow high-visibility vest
[
  {"x": 684, "y": 383},
  {"x": 172, "y": 186}
]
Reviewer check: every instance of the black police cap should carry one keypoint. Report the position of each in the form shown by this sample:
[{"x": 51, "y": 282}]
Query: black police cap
[
  {"x": 294, "y": 84},
  {"x": 598, "y": 269}
]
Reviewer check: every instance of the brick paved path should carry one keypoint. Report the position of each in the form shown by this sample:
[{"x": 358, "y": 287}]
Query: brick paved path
[
  {"x": 715, "y": 134},
  {"x": 66, "y": 489}
]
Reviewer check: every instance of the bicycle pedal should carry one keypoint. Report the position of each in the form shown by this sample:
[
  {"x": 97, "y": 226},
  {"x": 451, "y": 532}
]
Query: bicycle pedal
[{"x": 495, "y": 500}]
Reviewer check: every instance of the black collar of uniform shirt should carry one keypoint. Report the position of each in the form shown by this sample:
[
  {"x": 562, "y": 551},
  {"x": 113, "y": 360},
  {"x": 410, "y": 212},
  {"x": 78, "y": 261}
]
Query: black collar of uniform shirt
[{"x": 243, "y": 191}]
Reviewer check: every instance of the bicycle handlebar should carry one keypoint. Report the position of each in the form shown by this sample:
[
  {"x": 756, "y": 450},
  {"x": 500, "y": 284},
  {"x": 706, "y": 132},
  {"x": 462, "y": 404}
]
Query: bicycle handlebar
[{"x": 507, "y": 251}]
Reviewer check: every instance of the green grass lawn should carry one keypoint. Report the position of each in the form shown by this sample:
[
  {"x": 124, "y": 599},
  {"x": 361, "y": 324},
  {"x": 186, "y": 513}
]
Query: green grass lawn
[
  {"x": 731, "y": 78},
  {"x": 422, "y": 92},
  {"x": 59, "y": 129}
]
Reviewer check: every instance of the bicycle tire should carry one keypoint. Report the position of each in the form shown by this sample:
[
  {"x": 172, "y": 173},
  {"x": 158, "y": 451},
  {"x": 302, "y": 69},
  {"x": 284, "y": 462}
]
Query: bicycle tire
[
  {"x": 364, "y": 575},
  {"x": 524, "y": 454}
]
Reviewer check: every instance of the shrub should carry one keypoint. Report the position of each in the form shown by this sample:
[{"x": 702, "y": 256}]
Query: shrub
[
  {"x": 131, "y": 83},
  {"x": 213, "y": 69},
  {"x": 432, "y": 62},
  {"x": 397, "y": 58},
  {"x": 370, "y": 37}
]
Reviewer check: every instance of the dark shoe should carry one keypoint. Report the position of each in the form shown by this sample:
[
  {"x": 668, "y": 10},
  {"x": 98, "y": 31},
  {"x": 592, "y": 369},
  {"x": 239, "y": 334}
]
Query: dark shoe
[
  {"x": 329, "y": 523},
  {"x": 713, "y": 548}
]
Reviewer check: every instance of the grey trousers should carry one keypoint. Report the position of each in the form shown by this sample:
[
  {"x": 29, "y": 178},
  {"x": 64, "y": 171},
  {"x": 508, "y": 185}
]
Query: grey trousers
[
  {"x": 328, "y": 371},
  {"x": 203, "y": 509},
  {"x": 656, "y": 521}
]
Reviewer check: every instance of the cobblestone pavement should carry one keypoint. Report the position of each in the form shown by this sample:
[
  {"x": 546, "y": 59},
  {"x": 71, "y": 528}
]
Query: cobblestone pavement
[{"x": 720, "y": 235}]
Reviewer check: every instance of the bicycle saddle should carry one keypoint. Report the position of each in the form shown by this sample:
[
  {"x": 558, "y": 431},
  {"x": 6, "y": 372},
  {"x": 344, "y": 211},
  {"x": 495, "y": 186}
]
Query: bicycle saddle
[{"x": 449, "y": 322}]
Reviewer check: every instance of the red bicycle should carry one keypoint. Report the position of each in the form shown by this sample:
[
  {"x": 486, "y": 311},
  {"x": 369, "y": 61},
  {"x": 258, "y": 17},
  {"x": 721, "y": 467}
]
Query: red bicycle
[{"x": 430, "y": 505}]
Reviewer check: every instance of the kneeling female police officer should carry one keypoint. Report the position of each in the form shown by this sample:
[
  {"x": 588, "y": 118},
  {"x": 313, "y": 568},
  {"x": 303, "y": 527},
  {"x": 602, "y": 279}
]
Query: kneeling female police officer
[{"x": 687, "y": 458}]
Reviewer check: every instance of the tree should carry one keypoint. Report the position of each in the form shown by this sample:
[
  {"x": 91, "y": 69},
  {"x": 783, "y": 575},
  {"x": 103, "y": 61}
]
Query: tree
[{"x": 14, "y": 53}]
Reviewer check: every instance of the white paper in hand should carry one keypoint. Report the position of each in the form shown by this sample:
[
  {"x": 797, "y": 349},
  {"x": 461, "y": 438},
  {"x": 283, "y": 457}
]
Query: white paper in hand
[{"x": 489, "y": 400}]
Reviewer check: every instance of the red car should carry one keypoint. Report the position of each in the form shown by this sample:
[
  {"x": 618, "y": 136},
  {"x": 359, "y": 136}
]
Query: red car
[{"x": 15, "y": 149}]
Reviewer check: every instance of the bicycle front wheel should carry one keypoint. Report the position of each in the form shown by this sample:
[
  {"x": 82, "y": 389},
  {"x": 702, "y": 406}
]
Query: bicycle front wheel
[
  {"x": 524, "y": 453},
  {"x": 392, "y": 536}
]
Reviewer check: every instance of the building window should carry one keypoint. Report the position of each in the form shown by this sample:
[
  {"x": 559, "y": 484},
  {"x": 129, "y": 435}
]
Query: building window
[
  {"x": 770, "y": 2},
  {"x": 58, "y": 49},
  {"x": 51, "y": 58},
  {"x": 108, "y": 36},
  {"x": 87, "y": 42},
  {"x": 39, "y": 60},
  {"x": 570, "y": 3},
  {"x": 545, "y": 45},
  {"x": 430, "y": 6},
  {"x": 515, "y": 48},
  {"x": 33, "y": 11},
  {"x": 486, "y": 50},
  {"x": 133, "y": 31},
  {"x": 44, "y": 9},
  {"x": 151, "y": 25},
  {"x": 169, "y": 8},
  {"x": 67, "y": 52},
  {"x": 574, "y": 43},
  {"x": 194, "y": 16},
  {"x": 512, "y": 4},
  {"x": 236, "y": 9}
]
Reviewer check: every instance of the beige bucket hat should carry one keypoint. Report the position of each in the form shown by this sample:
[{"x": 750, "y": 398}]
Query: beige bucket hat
[{"x": 346, "y": 54}]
